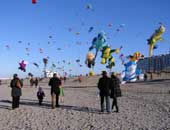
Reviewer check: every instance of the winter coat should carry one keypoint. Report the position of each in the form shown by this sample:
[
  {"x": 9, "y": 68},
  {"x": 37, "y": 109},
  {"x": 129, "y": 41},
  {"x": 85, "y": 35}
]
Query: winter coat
[
  {"x": 16, "y": 91},
  {"x": 115, "y": 89},
  {"x": 40, "y": 95},
  {"x": 104, "y": 86},
  {"x": 55, "y": 83}
]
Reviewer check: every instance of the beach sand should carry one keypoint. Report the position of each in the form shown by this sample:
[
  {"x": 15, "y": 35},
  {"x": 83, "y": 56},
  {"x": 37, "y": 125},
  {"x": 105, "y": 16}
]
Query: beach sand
[{"x": 143, "y": 106}]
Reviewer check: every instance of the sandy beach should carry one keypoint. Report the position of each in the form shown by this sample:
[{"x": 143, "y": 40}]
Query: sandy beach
[{"x": 143, "y": 106}]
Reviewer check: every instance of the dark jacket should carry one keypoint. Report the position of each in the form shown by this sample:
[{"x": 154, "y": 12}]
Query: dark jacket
[
  {"x": 16, "y": 91},
  {"x": 40, "y": 94},
  {"x": 104, "y": 86},
  {"x": 115, "y": 89},
  {"x": 55, "y": 83}
]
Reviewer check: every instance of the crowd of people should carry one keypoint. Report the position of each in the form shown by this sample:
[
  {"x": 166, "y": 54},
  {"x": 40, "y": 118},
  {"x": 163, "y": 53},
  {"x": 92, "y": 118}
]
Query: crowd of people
[{"x": 109, "y": 87}]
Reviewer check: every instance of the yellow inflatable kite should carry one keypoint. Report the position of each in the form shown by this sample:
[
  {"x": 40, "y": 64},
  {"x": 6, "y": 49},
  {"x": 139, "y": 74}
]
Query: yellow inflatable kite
[{"x": 155, "y": 38}]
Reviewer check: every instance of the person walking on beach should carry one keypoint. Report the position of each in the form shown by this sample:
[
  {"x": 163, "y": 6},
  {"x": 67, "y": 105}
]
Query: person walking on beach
[
  {"x": 115, "y": 91},
  {"x": 55, "y": 83},
  {"x": 104, "y": 86},
  {"x": 31, "y": 81},
  {"x": 36, "y": 82},
  {"x": 16, "y": 86}
]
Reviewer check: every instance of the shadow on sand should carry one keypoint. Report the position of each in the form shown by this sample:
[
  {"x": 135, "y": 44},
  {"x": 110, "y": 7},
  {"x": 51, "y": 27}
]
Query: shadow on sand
[{"x": 47, "y": 105}]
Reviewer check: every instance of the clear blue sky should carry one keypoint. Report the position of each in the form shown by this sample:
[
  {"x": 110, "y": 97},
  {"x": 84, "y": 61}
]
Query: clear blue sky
[{"x": 20, "y": 20}]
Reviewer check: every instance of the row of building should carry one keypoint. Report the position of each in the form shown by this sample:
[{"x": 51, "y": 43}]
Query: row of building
[{"x": 155, "y": 64}]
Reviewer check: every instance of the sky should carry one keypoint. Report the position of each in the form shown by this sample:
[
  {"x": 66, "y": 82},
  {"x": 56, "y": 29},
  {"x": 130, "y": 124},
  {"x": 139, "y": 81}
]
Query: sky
[{"x": 46, "y": 25}]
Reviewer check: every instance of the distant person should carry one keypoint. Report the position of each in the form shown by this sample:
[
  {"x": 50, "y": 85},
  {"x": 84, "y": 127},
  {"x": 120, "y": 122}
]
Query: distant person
[
  {"x": 80, "y": 78},
  {"x": 36, "y": 82},
  {"x": 115, "y": 91},
  {"x": 145, "y": 77},
  {"x": 31, "y": 82},
  {"x": 40, "y": 95},
  {"x": 0, "y": 82},
  {"x": 16, "y": 86},
  {"x": 65, "y": 78},
  {"x": 55, "y": 83},
  {"x": 151, "y": 76},
  {"x": 104, "y": 86}
]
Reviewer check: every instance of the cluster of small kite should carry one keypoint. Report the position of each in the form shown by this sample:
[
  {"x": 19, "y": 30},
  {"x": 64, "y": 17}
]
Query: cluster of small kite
[{"x": 99, "y": 44}]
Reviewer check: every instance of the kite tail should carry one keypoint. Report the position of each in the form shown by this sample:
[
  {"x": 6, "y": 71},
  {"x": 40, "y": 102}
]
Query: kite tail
[
  {"x": 151, "y": 49},
  {"x": 95, "y": 55}
]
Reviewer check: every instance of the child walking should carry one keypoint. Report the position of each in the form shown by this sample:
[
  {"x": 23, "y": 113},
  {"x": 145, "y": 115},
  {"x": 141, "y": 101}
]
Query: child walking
[
  {"x": 40, "y": 95},
  {"x": 61, "y": 96}
]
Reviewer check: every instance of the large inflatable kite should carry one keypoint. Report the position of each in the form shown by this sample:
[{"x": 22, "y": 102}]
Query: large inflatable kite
[
  {"x": 98, "y": 42},
  {"x": 90, "y": 60},
  {"x": 155, "y": 38},
  {"x": 131, "y": 70},
  {"x": 107, "y": 56}
]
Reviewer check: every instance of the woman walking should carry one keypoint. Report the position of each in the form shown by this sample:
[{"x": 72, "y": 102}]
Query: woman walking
[
  {"x": 16, "y": 86},
  {"x": 115, "y": 91}
]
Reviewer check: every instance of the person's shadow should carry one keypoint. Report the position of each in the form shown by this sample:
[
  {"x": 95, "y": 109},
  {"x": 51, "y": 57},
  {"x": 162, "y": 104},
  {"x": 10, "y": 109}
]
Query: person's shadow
[{"x": 47, "y": 105}]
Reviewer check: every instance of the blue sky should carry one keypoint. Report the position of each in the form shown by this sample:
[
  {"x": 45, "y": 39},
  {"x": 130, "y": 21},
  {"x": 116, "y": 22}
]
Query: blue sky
[{"x": 20, "y": 20}]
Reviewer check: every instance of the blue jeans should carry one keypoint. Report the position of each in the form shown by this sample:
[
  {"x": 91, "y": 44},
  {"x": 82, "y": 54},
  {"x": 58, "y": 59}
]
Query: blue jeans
[{"x": 107, "y": 103}]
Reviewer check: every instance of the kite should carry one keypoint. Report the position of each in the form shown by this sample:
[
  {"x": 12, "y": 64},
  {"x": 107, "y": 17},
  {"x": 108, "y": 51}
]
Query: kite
[
  {"x": 27, "y": 49},
  {"x": 70, "y": 29},
  {"x": 30, "y": 74},
  {"x": 34, "y": 1},
  {"x": 58, "y": 49},
  {"x": 77, "y": 33},
  {"x": 36, "y": 65},
  {"x": 45, "y": 61},
  {"x": 107, "y": 55},
  {"x": 91, "y": 29},
  {"x": 131, "y": 70},
  {"x": 22, "y": 66},
  {"x": 78, "y": 60},
  {"x": 91, "y": 73},
  {"x": 155, "y": 38},
  {"x": 7, "y": 47},
  {"x": 53, "y": 65},
  {"x": 122, "y": 58},
  {"x": 41, "y": 50},
  {"x": 110, "y": 25},
  {"x": 90, "y": 60},
  {"x": 98, "y": 42},
  {"x": 88, "y": 6}
]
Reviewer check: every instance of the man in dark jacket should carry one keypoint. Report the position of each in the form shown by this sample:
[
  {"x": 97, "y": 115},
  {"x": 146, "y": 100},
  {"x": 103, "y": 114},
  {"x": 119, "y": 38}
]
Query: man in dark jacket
[
  {"x": 104, "y": 86},
  {"x": 16, "y": 85},
  {"x": 55, "y": 82},
  {"x": 115, "y": 91}
]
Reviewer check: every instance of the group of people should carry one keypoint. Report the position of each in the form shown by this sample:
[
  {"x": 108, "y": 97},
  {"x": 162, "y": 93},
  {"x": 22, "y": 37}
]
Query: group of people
[
  {"x": 34, "y": 82},
  {"x": 56, "y": 90},
  {"x": 109, "y": 88}
]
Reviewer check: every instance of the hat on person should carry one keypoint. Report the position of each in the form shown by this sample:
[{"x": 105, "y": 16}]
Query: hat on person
[
  {"x": 113, "y": 73},
  {"x": 15, "y": 75},
  {"x": 104, "y": 73}
]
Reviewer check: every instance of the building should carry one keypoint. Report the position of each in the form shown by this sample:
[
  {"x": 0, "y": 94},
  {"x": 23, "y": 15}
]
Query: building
[
  {"x": 49, "y": 74},
  {"x": 155, "y": 64}
]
